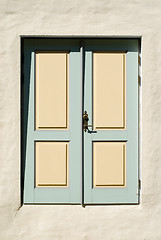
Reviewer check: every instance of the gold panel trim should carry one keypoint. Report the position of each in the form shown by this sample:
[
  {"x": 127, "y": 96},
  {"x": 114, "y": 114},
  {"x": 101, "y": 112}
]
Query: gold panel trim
[
  {"x": 95, "y": 185},
  {"x": 123, "y": 53},
  {"x": 67, "y": 94},
  {"x": 66, "y": 184}
]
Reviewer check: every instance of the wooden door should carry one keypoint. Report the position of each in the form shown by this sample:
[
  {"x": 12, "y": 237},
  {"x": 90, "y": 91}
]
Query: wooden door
[
  {"x": 52, "y": 135},
  {"x": 62, "y": 162},
  {"x": 111, "y": 101}
]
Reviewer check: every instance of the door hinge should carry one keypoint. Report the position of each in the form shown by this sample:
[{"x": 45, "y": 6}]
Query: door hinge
[
  {"x": 139, "y": 184},
  {"x": 139, "y": 60},
  {"x": 139, "y": 80}
]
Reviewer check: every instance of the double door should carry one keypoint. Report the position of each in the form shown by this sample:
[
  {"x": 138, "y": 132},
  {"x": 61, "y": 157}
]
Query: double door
[{"x": 80, "y": 121}]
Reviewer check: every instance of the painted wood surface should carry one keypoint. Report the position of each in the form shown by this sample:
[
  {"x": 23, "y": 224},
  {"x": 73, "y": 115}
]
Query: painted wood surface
[
  {"x": 52, "y": 90},
  {"x": 51, "y": 164},
  {"x": 109, "y": 90},
  {"x": 72, "y": 136},
  {"x": 120, "y": 186},
  {"x": 109, "y": 164},
  {"x": 127, "y": 193}
]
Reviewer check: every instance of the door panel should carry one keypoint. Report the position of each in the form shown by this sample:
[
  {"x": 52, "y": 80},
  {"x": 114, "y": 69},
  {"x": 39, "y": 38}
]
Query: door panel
[
  {"x": 109, "y": 90},
  {"x": 51, "y": 164},
  {"x": 52, "y": 90},
  {"x": 111, "y": 101},
  {"x": 109, "y": 160}
]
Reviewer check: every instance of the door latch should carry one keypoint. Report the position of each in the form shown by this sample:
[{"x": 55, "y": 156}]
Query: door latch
[{"x": 85, "y": 121}]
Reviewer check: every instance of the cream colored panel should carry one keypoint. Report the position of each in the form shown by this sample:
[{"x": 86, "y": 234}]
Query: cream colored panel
[
  {"x": 52, "y": 90},
  {"x": 109, "y": 164},
  {"x": 51, "y": 164},
  {"x": 109, "y": 90}
]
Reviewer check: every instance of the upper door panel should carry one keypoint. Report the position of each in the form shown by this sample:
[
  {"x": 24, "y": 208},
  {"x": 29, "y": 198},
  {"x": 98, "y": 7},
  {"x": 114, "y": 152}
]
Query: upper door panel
[{"x": 109, "y": 90}]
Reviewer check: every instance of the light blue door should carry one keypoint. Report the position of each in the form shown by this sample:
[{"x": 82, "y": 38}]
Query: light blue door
[
  {"x": 64, "y": 163},
  {"x": 52, "y": 134},
  {"x": 111, "y": 101}
]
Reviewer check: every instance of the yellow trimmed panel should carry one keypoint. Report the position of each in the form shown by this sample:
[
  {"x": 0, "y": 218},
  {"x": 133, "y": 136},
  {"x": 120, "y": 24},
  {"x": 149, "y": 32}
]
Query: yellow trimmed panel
[
  {"x": 109, "y": 90},
  {"x": 51, "y": 90},
  {"x": 51, "y": 164},
  {"x": 109, "y": 164}
]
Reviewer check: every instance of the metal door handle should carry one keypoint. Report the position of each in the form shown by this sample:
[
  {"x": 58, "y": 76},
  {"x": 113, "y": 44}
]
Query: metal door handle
[{"x": 85, "y": 121}]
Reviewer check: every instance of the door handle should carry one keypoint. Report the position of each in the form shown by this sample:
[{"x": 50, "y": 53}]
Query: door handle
[{"x": 85, "y": 121}]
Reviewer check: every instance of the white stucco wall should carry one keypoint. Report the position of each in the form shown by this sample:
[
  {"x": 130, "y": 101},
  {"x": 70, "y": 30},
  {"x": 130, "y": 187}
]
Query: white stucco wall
[{"x": 80, "y": 17}]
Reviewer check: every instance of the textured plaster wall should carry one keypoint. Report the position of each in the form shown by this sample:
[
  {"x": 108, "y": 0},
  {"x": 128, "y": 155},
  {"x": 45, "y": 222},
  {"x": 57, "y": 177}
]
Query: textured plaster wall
[{"x": 80, "y": 17}]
